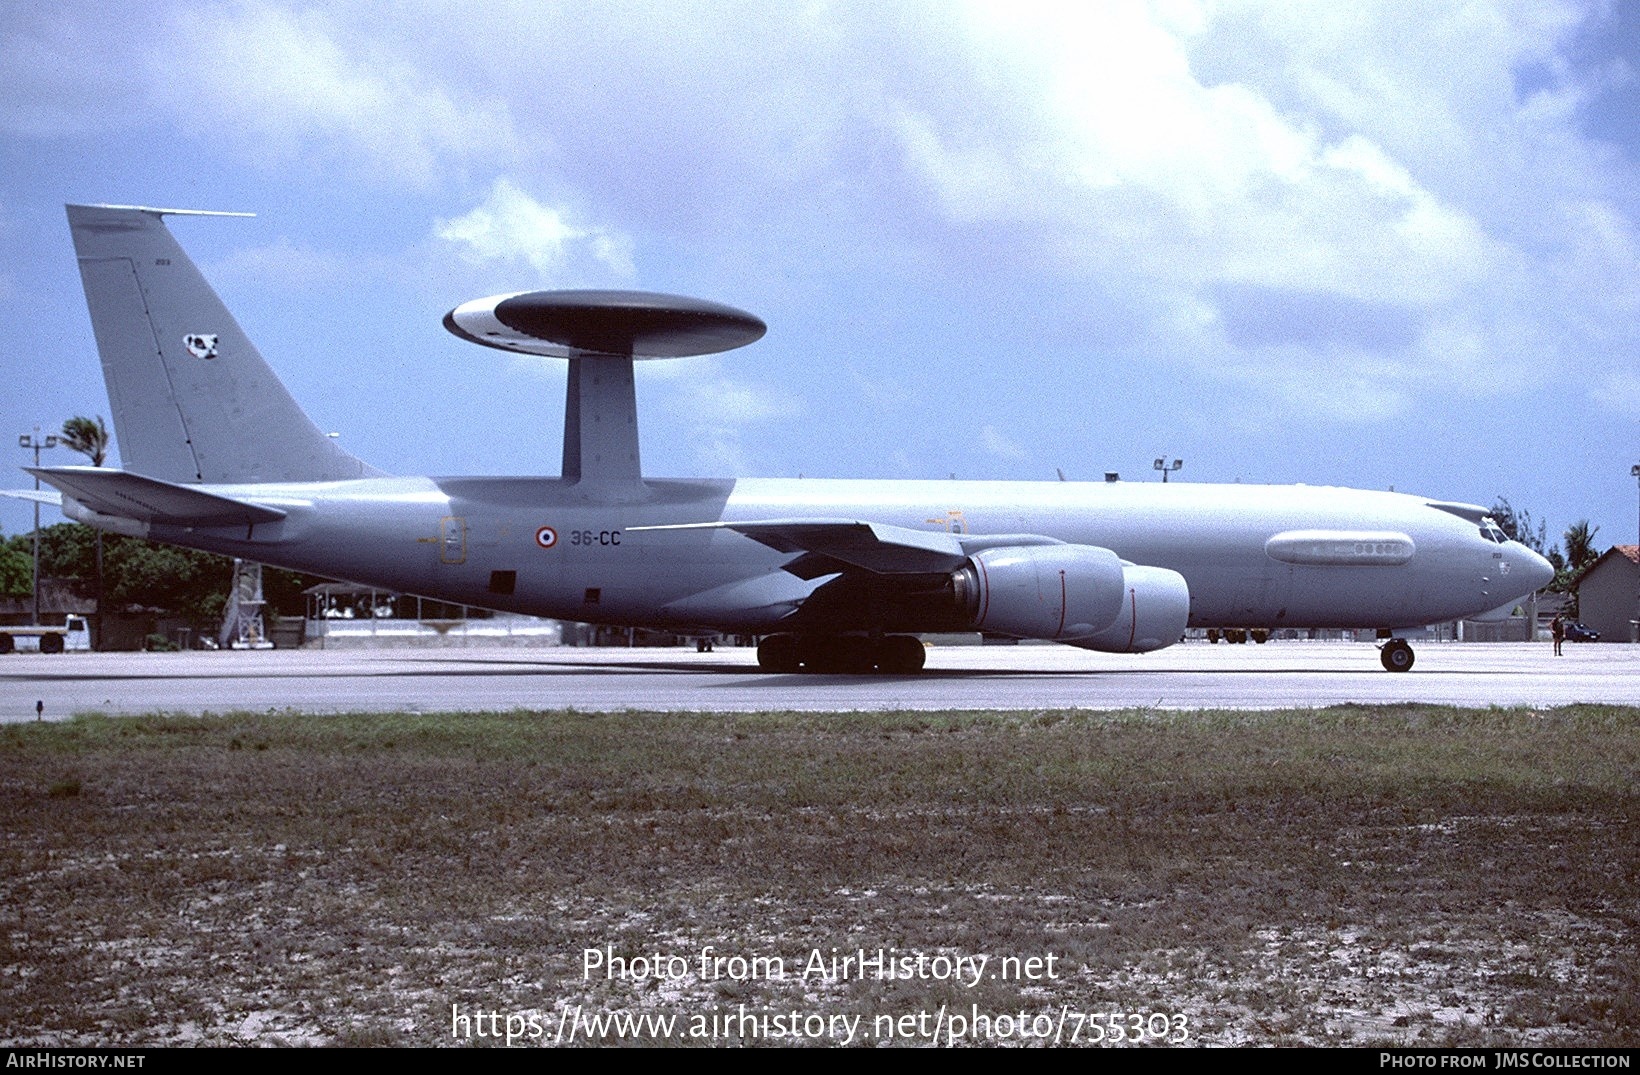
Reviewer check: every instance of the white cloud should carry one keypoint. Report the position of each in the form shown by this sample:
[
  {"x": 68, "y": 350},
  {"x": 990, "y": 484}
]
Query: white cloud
[
  {"x": 1000, "y": 445},
  {"x": 724, "y": 401},
  {"x": 295, "y": 83},
  {"x": 715, "y": 412},
  {"x": 741, "y": 403},
  {"x": 1106, "y": 137},
  {"x": 1207, "y": 163},
  {"x": 512, "y": 227}
]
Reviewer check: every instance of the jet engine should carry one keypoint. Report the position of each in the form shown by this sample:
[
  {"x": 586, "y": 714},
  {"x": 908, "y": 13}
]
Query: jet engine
[
  {"x": 1155, "y": 610},
  {"x": 1058, "y": 592}
]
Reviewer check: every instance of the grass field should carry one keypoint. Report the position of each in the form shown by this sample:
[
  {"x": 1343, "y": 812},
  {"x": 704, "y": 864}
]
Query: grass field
[{"x": 1357, "y": 876}]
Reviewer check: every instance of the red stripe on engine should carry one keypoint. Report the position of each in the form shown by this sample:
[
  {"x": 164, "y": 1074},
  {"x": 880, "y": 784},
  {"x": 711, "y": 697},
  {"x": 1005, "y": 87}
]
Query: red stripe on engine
[
  {"x": 1062, "y": 599},
  {"x": 985, "y": 586}
]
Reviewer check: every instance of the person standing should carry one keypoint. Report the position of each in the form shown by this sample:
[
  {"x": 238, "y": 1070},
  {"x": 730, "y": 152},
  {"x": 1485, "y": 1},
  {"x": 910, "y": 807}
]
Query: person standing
[{"x": 1557, "y": 631}]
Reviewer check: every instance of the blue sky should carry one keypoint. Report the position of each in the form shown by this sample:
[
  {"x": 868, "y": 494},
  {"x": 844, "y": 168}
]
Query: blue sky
[{"x": 1376, "y": 244}]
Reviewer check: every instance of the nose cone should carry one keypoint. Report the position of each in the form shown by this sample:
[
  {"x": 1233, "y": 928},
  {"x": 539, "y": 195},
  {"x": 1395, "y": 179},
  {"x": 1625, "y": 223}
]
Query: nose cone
[{"x": 1535, "y": 572}]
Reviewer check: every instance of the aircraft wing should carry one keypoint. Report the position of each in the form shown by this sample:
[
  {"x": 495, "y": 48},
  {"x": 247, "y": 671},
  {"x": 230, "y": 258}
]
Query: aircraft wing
[
  {"x": 833, "y": 546},
  {"x": 49, "y": 497},
  {"x": 125, "y": 495}
]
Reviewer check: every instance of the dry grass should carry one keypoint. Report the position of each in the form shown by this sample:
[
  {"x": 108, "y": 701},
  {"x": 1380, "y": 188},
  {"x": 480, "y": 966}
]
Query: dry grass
[{"x": 1405, "y": 875}]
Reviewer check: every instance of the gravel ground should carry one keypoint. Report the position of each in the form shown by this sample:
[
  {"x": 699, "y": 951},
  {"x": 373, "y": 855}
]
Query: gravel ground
[{"x": 1339, "y": 877}]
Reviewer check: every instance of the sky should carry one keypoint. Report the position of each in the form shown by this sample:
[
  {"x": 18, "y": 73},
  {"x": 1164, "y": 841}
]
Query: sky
[{"x": 1380, "y": 244}]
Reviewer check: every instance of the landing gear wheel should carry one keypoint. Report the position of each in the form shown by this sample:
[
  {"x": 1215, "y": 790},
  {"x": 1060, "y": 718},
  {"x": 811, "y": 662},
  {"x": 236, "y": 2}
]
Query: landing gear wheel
[
  {"x": 778, "y": 653},
  {"x": 846, "y": 655},
  {"x": 1396, "y": 656},
  {"x": 843, "y": 655},
  {"x": 901, "y": 655}
]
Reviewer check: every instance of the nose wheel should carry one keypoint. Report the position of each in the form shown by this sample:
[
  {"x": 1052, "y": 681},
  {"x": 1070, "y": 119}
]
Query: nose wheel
[{"x": 1396, "y": 655}]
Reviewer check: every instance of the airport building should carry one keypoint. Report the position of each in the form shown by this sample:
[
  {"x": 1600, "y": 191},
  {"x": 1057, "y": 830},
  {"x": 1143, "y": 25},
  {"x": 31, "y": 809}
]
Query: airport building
[{"x": 1608, "y": 594}]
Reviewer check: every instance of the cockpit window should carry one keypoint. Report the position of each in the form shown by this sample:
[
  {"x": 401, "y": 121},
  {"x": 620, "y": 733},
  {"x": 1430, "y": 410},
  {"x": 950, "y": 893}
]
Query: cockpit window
[{"x": 1491, "y": 531}]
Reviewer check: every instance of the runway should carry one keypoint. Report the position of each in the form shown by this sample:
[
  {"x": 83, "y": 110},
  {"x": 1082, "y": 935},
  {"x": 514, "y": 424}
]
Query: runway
[{"x": 1187, "y": 676}]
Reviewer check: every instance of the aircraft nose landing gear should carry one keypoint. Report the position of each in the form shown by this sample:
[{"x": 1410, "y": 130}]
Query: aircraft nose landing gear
[{"x": 1396, "y": 655}]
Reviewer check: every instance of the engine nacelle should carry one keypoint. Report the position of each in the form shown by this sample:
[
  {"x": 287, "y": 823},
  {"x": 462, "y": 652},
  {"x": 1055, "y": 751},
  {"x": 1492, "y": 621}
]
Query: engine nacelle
[
  {"x": 1058, "y": 592},
  {"x": 113, "y": 524},
  {"x": 1155, "y": 612}
]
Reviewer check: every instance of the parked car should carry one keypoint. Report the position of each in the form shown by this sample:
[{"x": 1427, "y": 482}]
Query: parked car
[{"x": 1577, "y": 632}]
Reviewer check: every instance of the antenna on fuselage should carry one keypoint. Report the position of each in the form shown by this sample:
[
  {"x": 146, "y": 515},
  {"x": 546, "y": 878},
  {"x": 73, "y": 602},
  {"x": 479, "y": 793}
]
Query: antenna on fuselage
[{"x": 602, "y": 333}]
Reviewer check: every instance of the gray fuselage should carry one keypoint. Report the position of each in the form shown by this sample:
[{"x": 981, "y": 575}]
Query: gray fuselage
[{"x": 466, "y": 540}]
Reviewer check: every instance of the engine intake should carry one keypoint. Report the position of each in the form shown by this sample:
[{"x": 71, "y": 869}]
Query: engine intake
[{"x": 1155, "y": 612}]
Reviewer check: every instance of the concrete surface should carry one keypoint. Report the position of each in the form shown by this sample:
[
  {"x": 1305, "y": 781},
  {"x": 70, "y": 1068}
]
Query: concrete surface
[{"x": 1187, "y": 676}]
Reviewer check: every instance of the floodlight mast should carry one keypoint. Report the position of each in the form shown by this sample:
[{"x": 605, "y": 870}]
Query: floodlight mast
[{"x": 34, "y": 442}]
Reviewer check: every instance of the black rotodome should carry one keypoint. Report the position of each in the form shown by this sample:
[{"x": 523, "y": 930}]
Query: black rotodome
[{"x": 638, "y": 323}]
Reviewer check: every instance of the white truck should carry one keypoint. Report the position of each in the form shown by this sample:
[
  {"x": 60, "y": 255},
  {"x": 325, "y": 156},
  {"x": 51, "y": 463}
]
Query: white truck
[{"x": 75, "y": 634}]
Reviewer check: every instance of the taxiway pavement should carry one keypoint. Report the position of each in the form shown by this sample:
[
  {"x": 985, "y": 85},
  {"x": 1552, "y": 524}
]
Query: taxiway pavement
[{"x": 1193, "y": 675}]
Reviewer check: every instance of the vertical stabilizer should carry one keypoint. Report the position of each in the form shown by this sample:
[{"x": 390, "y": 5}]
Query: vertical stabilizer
[{"x": 192, "y": 399}]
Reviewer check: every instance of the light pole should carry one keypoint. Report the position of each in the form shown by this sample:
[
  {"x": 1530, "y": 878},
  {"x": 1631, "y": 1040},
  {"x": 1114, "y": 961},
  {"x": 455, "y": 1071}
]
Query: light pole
[
  {"x": 32, "y": 440},
  {"x": 1161, "y": 465},
  {"x": 1635, "y": 470}
]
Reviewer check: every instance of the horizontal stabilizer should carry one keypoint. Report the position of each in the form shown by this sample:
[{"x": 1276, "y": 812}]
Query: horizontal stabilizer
[
  {"x": 49, "y": 497},
  {"x": 849, "y": 543},
  {"x": 132, "y": 496}
]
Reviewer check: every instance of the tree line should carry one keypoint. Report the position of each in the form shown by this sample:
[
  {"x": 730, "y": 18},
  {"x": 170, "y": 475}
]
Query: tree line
[{"x": 141, "y": 574}]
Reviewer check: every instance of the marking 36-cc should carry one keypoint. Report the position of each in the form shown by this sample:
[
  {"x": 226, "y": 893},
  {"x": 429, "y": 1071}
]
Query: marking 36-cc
[{"x": 594, "y": 537}]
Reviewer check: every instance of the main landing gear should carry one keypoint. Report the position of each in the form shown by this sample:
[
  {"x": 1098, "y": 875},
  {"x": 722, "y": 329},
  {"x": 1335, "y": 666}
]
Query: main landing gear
[
  {"x": 842, "y": 654},
  {"x": 1396, "y": 655}
]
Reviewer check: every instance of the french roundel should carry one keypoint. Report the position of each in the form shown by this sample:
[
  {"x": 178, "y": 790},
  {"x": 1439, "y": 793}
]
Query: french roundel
[{"x": 546, "y": 537}]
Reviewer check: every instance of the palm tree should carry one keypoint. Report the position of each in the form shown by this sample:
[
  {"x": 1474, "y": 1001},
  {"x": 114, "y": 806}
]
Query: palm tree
[
  {"x": 89, "y": 437},
  {"x": 1580, "y": 544}
]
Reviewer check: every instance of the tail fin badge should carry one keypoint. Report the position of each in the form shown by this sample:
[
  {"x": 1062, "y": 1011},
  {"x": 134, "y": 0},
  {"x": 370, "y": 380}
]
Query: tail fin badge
[{"x": 201, "y": 345}]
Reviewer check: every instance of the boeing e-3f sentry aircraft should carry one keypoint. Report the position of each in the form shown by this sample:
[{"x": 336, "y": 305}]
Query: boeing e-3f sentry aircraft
[{"x": 836, "y": 575}]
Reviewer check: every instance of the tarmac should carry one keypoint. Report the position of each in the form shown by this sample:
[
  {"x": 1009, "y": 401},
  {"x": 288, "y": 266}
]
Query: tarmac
[{"x": 1192, "y": 675}]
